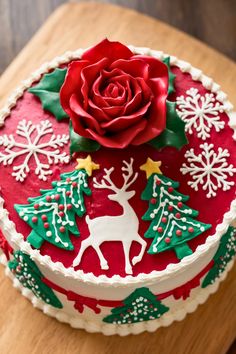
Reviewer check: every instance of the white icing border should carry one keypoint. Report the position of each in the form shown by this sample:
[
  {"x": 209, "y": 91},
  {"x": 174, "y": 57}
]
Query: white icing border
[
  {"x": 165, "y": 320},
  {"x": 17, "y": 240}
]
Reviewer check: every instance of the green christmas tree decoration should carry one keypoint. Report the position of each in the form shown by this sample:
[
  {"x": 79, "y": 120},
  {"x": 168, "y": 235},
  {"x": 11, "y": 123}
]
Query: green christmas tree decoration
[
  {"x": 141, "y": 305},
  {"x": 52, "y": 214},
  {"x": 172, "y": 222},
  {"x": 29, "y": 275},
  {"x": 48, "y": 91},
  {"x": 171, "y": 87},
  {"x": 224, "y": 254}
]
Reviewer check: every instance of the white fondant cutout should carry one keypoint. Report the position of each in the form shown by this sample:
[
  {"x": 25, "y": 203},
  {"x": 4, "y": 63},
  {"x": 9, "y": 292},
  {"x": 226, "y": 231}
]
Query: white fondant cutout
[
  {"x": 209, "y": 169},
  {"x": 123, "y": 228},
  {"x": 200, "y": 113},
  {"x": 33, "y": 147}
]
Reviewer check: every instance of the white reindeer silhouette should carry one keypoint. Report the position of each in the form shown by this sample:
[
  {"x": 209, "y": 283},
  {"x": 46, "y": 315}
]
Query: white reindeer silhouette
[{"x": 122, "y": 228}]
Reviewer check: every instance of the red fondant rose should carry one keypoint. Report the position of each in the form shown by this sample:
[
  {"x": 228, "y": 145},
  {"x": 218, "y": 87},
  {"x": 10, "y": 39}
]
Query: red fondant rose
[{"x": 115, "y": 97}]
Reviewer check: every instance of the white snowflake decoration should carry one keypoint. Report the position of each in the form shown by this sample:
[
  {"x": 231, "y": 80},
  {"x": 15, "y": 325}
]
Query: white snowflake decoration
[
  {"x": 200, "y": 113},
  {"x": 33, "y": 147},
  {"x": 209, "y": 169}
]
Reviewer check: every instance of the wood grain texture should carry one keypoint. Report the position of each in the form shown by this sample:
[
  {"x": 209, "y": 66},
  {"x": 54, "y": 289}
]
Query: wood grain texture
[
  {"x": 211, "y": 329},
  {"x": 214, "y": 22}
]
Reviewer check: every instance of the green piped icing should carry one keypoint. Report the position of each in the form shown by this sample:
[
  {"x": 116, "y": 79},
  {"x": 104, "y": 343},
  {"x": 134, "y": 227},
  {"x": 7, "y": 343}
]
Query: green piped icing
[
  {"x": 29, "y": 275},
  {"x": 224, "y": 254},
  {"x": 141, "y": 305}
]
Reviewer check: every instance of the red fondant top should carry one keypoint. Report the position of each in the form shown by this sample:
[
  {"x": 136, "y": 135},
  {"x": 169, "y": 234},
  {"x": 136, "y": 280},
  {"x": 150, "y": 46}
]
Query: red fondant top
[{"x": 211, "y": 210}]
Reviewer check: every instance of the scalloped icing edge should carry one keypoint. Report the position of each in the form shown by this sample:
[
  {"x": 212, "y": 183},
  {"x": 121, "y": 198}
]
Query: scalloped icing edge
[
  {"x": 122, "y": 330},
  {"x": 17, "y": 239}
]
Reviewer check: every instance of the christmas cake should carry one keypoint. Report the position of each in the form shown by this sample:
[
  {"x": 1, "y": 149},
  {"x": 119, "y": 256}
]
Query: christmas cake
[{"x": 117, "y": 191}]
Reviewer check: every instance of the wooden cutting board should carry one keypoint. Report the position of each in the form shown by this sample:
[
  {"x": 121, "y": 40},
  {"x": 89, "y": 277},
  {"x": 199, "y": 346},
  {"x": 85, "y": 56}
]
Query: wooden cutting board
[{"x": 23, "y": 329}]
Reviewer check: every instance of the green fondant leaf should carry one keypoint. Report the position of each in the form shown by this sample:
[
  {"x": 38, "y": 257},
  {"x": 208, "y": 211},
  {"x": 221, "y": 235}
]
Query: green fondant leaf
[
  {"x": 48, "y": 89},
  {"x": 79, "y": 143},
  {"x": 174, "y": 134},
  {"x": 172, "y": 76}
]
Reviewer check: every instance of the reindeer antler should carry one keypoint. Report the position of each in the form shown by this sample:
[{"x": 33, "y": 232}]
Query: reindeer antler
[
  {"x": 107, "y": 183},
  {"x": 128, "y": 168},
  {"x": 103, "y": 184}
]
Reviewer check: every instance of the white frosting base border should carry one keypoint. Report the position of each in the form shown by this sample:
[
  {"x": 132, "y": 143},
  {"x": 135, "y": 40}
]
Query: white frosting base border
[
  {"x": 189, "y": 306},
  {"x": 16, "y": 239}
]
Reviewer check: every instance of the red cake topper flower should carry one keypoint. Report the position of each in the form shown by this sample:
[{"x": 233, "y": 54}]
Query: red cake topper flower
[{"x": 115, "y": 97}]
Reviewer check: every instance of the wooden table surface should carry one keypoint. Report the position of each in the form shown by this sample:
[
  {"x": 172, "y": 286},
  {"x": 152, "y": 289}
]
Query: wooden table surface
[
  {"x": 19, "y": 20},
  {"x": 23, "y": 329}
]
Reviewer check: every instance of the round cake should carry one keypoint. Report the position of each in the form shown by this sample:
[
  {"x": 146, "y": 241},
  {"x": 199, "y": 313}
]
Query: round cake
[{"x": 117, "y": 188}]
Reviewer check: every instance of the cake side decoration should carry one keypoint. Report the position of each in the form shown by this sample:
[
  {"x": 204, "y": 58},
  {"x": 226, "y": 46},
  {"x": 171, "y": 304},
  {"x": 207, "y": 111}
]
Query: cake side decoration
[
  {"x": 95, "y": 304},
  {"x": 29, "y": 275},
  {"x": 225, "y": 253},
  {"x": 141, "y": 305},
  {"x": 52, "y": 215},
  {"x": 172, "y": 222}
]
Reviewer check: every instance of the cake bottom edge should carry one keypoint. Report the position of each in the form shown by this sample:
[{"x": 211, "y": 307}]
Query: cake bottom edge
[{"x": 198, "y": 297}]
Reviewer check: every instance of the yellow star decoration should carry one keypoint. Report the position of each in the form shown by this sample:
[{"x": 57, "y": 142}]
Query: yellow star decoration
[
  {"x": 87, "y": 164},
  {"x": 151, "y": 167}
]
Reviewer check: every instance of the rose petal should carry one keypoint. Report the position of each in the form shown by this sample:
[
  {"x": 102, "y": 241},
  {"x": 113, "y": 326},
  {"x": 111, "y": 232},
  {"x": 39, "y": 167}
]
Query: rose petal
[
  {"x": 121, "y": 99},
  {"x": 88, "y": 76},
  {"x": 135, "y": 67},
  {"x": 158, "y": 84},
  {"x": 96, "y": 94},
  {"x": 111, "y": 91},
  {"x": 146, "y": 90},
  {"x": 157, "y": 69},
  {"x": 97, "y": 112},
  {"x": 124, "y": 122},
  {"x": 72, "y": 83},
  {"x": 107, "y": 49},
  {"x": 114, "y": 111},
  {"x": 86, "y": 120},
  {"x": 135, "y": 102},
  {"x": 157, "y": 116},
  {"x": 120, "y": 140}
]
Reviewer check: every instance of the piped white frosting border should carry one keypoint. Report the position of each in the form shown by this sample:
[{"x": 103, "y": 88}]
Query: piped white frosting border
[
  {"x": 17, "y": 239},
  {"x": 165, "y": 320}
]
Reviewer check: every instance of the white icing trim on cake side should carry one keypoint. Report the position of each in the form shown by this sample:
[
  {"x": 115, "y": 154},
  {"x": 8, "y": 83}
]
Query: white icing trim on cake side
[
  {"x": 189, "y": 306},
  {"x": 16, "y": 239}
]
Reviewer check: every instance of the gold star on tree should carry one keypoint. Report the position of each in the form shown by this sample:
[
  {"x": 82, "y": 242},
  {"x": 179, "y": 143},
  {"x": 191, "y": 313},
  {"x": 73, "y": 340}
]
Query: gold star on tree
[
  {"x": 87, "y": 164},
  {"x": 151, "y": 167}
]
